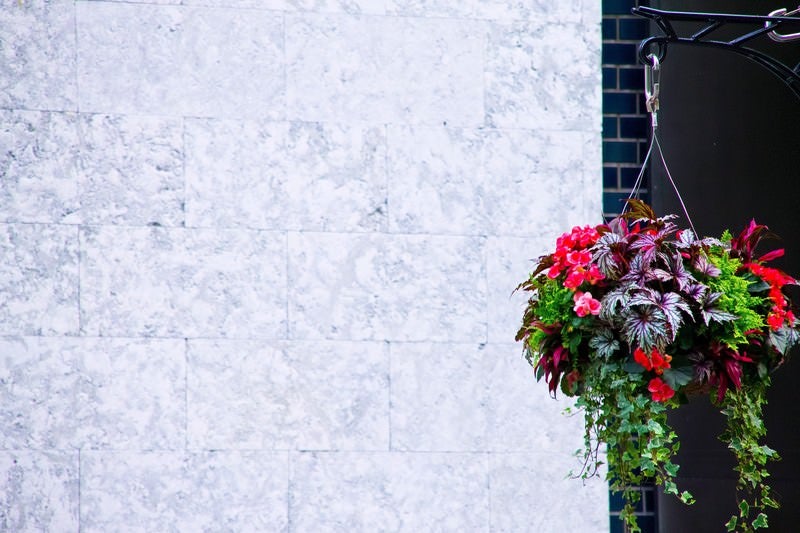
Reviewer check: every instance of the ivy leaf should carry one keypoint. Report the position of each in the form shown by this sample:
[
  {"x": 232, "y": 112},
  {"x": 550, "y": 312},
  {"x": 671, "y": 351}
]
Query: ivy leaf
[
  {"x": 744, "y": 509},
  {"x": 731, "y": 525},
  {"x": 760, "y": 521},
  {"x": 604, "y": 343}
]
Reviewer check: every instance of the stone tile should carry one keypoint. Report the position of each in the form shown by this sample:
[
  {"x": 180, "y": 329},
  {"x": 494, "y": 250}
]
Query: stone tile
[
  {"x": 529, "y": 492},
  {"x": 60, "y": 393},
  {"x": 131, "y": 170},
  {"x": 437, "y": 182},
  {"x": 184, "y": 492},
  {"x": 523, "y": 415},
  {"x": 37, "y": 57},
  {"x": 439, "y": 397},
  {"x": 387, "y": 287},
  {"x": 183, "y": 283},
  {"x": 384, "y": 492},
  {"x": 38, "y": 491},
  {"x": 489, "y": 9},
  {"x": 279, "y": 395},
  {"x": 510, "y": 262},
  {"x": 38, "y": 279},
  {"x": 300, "y": 176},
  {"x": 483, "y": 182},
  {"x": 384, "y": 69},
  {"x": 38, "y": 166},
  {"x": 354, "y": 7},
  {"x": 543, "y": 76},
  {"x": 178, "y": 61}
]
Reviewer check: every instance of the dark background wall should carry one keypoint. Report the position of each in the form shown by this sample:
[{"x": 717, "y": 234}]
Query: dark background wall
[{"x": 731, "y": 137}]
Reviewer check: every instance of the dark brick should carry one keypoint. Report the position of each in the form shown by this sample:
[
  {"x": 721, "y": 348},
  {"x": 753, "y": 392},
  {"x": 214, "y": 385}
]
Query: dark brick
[
  {"x": 610, "y": 129},
  {"x": 631, "y": 79},
  {"x": 613, "y": 202},
  {"x": 633, "y": 29},
  {"x": 609, "y": 30},
  {"x": 620, "y": 151},
  {"x": 621, "y": 103},
  {"x": 617, "y": 7},
  {"x": 610, "y": 174},
  {"x": 610, "y": 78},
  {"x": 634, "y": 127},
  {"x": 627, "y": 177},
  {"x": 619, "y": 54}
]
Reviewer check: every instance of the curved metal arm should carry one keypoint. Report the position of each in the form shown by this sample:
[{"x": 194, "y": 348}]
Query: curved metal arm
[{"x": 712, "y": 22}]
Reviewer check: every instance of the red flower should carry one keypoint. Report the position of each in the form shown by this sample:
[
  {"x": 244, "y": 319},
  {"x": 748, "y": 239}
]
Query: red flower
[
  {"x": 655, "y": 362},
  {"x": 660, "y": 391}
]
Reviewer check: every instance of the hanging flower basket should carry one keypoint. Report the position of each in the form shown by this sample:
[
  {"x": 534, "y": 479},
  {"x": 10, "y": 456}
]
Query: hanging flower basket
[{"x": 633, "y": 316}]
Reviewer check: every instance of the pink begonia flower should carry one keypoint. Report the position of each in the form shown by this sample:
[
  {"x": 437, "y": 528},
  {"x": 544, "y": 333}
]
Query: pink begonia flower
[{"x": 585, "y": 304}]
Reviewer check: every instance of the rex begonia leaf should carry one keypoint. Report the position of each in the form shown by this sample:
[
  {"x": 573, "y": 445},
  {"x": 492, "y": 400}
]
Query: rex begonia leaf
[
  {"x": 604, "y": 343},
  {"x": 712, "y": 313},
  {"x": 706, "y": 267},
  {"x": 646, "y": 327}
]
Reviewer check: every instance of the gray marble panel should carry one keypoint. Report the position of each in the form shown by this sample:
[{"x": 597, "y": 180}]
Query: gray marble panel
[
  {"x": 38, "y": 166},
  {"x": 274, "y": 175},
  {"x": 183, "y": 492},
  {"x": 384, "y": 69},
  {"x": 131, "y": 170},
  {"x": 337, "y": 286},
  {"x": 543, "y": 76},
  {"x": 510, "y": 262},
  {"x": 183, "y": 283},
  {"x": 524, "y": 417},
  {"x": 569, "y": 10},
  {"x": 387, "y": 287},
  {"x": 479, "y": 182},
  {"x": 529, "y": 493},
  {"x": 439, "y": 397},
  {"x": 38, "y": 491},
  {"x": 279, "y": 395},
  {"x": 38, "y": 279},
  {"x": 37, "y": 55},
  {"x": 171, "y": 60},
  {"x": 60, "y": 393},
  {"x": 319, "y": 6},
  {"x": 404, "y": 492}
]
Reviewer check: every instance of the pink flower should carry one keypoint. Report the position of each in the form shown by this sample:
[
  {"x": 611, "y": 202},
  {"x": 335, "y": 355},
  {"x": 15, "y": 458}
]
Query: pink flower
[
  {"x": 585, "y": 304},
  {"x": 580, "y": 258}
]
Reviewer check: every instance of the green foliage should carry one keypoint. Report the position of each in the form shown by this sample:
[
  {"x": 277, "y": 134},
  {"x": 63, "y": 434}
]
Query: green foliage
[
  {"x": 555, "y": 303},
  {"x": 735, "y": 299}
]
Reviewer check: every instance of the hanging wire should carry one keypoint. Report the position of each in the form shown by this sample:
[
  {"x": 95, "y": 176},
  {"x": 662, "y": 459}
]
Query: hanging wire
[{"x": 652, "y": 88}]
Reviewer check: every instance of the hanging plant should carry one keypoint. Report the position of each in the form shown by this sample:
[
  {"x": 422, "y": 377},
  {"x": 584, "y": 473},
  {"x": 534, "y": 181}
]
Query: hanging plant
[{"x": 634, "y": 316}]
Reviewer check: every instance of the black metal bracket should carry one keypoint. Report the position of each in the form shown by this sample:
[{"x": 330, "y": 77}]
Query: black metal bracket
[{"x": 711, "y": 22}]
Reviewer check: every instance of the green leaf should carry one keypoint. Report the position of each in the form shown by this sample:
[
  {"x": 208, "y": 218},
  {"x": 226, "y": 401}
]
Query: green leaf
[
  {"x": 744, "y": 507},
  {"x": 760, "y": 521},
  {"x": 731, "y": 525},
  {"x": 678, "y": 377}
]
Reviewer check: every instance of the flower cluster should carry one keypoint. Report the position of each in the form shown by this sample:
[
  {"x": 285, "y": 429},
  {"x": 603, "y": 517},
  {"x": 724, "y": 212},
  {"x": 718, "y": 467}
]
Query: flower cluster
[{"x": 633, "y": 315}]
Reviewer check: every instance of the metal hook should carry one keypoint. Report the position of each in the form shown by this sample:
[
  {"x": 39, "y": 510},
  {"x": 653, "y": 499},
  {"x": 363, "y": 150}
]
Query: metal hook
[
  {"x": 652, "y": 83},
  {"x": 780, "y": 37}
]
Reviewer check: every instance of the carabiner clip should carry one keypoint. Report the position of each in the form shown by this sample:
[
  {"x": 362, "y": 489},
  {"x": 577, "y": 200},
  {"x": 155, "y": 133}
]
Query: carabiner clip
[
  {"x": 652, "y": 83},
  {"x": 780, "y": 37}
]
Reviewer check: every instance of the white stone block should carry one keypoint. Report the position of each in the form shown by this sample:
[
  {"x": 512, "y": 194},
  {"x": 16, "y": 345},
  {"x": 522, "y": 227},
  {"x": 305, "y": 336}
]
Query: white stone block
[
  {"x": 384, "y": 69},
  {"x": 275, "y": 175},
  {"x": 530, "y": 494},
  {"x": 183, "y": 283},
  {"x": 38, "y": 279},
  {"x": 285, "y": 395},
  {"x": 68, "y": 392},
  {"x": 484, "y": 182},
  {"x": 406, "y": 492},
  {"x": 387, "y": 287},
  {"x": 183, "y": 492},
  {"x": 38, "y": 166},
  {"x": 39, "y": 491},
  {"x": 173, "y": 60},
  {"x": 354, "y": 7},
  {"x": 37, "y": 55},
  {"x": 131, "y": 170},
  {"x": 564, "y": 11},
  {"x": 543, "y": 76},
  {"x": 440, "y": 397},
  {"x": 523, "y": 415}
]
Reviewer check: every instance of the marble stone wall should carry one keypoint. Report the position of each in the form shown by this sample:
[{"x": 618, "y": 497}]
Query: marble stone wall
[{"x": 257, "y": 256}]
